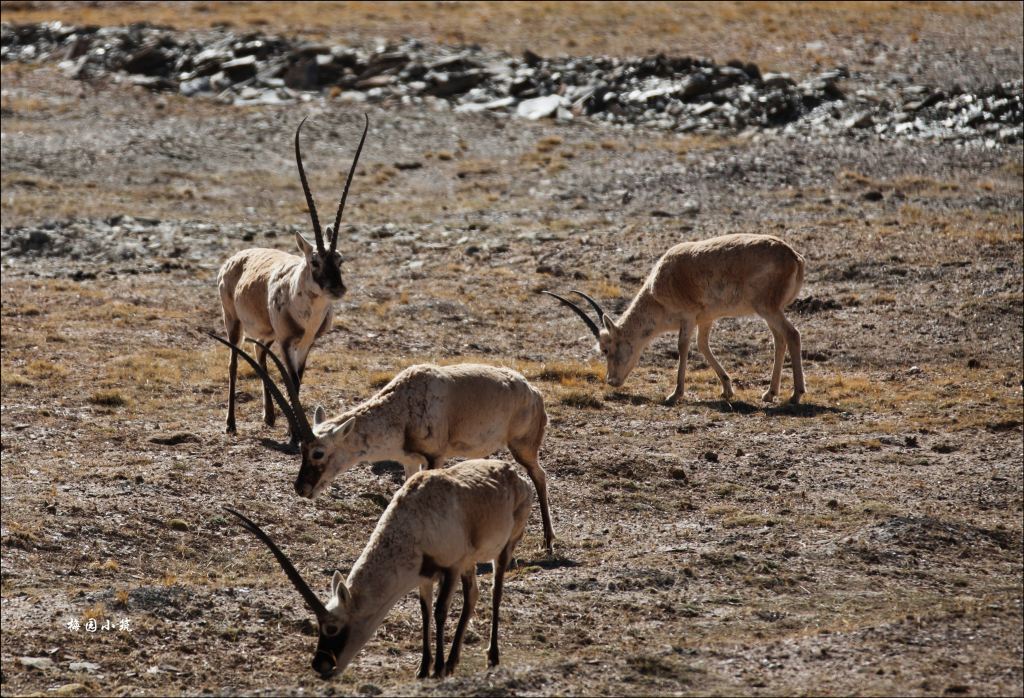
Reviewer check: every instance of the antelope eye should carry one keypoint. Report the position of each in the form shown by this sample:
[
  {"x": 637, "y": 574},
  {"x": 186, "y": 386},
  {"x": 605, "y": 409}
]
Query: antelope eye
[
  {"x": 318, "y": 454},
  {"x": 330, "y": 630}
]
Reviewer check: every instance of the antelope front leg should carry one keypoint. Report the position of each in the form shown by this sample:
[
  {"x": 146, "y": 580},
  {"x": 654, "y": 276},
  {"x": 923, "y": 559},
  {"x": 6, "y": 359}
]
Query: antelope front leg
[
  {"x": 470, "y": 593},
  {"x": 685, "y": 335},
  {"x": 413, "y": 463},
  {"x": 499, "y": 581},
  {"x": 295, "y": 362},
  {"x": 268, "y": 401},
  {"x": 444, "y": 600},
  {"x": 426, "y": 596},
  {"x": 234, "y": 331}
]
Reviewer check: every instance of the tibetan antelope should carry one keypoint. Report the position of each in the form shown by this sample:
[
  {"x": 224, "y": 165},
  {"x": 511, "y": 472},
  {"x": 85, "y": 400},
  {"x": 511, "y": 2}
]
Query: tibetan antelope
[
  {"x": 425, "y": 415},
  {"x": 691, "y": 286},
  {"x": 437, "y": 527},
  {"x": 272, "y": 296}
]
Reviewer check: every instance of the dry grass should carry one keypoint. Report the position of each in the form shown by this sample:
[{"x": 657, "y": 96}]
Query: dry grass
[
  {"x": 774, "y": 34},
  {"x": 738, "y": 531}
]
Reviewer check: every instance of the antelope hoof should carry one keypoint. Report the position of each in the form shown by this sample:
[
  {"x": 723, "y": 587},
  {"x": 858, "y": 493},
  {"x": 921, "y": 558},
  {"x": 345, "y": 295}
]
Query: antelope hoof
[
  {"x": 795, "y": 400},
  {"x": 727, "y": 393},
  {"x": 424, "y": 671},
  {"x": 769, "y": 395},
  {"x": 673, "y": 398},
  {"x": 268, "y": 419},
  {"x": 231, "y": 428},
  {"x": 492, "y": 659},
  {"x": 449, "y": 667},
  {"x": 439, "y": 672}
]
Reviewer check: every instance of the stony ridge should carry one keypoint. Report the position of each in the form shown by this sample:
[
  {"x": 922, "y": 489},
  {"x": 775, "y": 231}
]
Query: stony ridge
[{"x": 682, "y": 94}]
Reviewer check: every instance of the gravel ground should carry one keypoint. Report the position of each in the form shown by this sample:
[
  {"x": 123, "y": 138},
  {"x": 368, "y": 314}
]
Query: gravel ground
[{"x": 866, "y": 542}]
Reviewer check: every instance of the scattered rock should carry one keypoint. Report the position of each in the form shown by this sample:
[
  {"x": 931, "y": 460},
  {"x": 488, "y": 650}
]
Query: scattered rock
[
  {"x": 40, "y": 663},
  {"x": 677, "y": 93},
  {"x": 84, "y": 666},
  {"x": 240, "y": 68},
  {"x": 862, "y": 120},
  {"x": 539, "y": 107}
]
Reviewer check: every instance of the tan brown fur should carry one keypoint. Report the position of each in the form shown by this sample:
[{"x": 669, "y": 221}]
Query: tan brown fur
[
  {"x": 427, "y": 414},
  {"x": 694, "y": 284},
  {"x": 439, "y": 525},
  {"x": 271, "y": 296}
]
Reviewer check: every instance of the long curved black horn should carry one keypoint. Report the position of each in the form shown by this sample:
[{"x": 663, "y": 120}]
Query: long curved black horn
[
  {"x": 344, "y": 194},
  {"x": 275, "y": 392},
  {"x": 312, "y": 600},
  {"x": 293, "y": 393},
  {"x": 593, "y": 304},
  {"x": 579, "y": 311},
  {"x": 305, "y": 189}
]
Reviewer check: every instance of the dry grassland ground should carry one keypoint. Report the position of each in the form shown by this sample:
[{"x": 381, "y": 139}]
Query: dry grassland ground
[{"x": 867, "y": 542}]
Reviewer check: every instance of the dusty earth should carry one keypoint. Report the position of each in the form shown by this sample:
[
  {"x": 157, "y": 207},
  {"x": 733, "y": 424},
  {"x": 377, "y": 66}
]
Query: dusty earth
[{"x": 867, "y": 542}]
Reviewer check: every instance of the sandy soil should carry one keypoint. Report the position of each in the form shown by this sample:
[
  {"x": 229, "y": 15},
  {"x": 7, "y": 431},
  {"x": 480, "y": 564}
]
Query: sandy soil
[{"x": 867, "y": 542}]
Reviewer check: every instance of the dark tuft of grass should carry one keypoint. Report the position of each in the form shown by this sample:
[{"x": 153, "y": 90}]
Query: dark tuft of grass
[
  {"x": 576, "y": 398},
  {"x": 108, "y": 398}
]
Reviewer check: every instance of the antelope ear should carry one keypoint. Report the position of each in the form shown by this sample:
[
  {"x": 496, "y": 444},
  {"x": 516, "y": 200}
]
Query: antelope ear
[
  {"x": 345, "y": 428},
  {"x": 339, "y": 589},
  {"x": 609, "y": 324},
  {"x": 305, "y": 247},
  {"x": 319, "y": 415}
]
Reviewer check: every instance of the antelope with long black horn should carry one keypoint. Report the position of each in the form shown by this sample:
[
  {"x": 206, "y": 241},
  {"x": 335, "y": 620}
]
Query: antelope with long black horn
[
  {"x": 424, "y": 416},
  {"x": 437, "y": 527},
  {"x": 691, "y": 286},
  {"x": 272, "y": 296}
]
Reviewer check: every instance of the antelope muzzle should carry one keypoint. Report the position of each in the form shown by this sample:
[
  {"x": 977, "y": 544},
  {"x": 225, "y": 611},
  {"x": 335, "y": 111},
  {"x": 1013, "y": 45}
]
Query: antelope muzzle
[
  {"x": 308, "y": 479},
  {"x": 325, "y": 663}
]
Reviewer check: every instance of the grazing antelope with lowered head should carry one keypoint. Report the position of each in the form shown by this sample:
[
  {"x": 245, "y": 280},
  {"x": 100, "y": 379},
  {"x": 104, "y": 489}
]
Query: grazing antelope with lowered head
[
  {"x": 271, "y": 296},
  {"x": 425, "y": 415},
  {"x": 691, "y": 286},
  {"x": 437, "y": 527}
]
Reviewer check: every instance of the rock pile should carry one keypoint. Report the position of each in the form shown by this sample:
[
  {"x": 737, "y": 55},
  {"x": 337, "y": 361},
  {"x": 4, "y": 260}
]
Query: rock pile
[
  {"x": 122, "y": 244},
  {"x": 681, "y": 94}
]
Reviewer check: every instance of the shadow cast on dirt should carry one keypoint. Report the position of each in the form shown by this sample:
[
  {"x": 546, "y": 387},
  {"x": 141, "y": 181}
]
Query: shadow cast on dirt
[
  {"x": 390, "y": 468},
  {"x": 279, "y": 446},
  {"x": 785, "y": 409},
  {"x": 546, "y": 562},
  {"x": 630, "y": 398}
]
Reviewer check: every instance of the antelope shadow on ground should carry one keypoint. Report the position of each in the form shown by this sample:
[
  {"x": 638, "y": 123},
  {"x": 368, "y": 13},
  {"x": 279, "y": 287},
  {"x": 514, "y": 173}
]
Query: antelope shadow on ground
[{"x": 743, "y": 407}]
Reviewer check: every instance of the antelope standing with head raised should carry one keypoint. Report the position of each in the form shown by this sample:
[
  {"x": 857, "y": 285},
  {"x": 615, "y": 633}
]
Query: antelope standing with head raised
[
  {"x": 691, "y": 286},
  {"x": 437, "y": 527},
  {"x": 271, "y": 296},
  {"x": 424, "y": 416}
]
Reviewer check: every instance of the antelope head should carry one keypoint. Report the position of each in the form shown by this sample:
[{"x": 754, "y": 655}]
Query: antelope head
[
  {"x": 325, "y": 447},
  {"x": 324, "y": 262},
  {"x": 621, "y": 351},
  {"x": 340, "y": 636}
]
